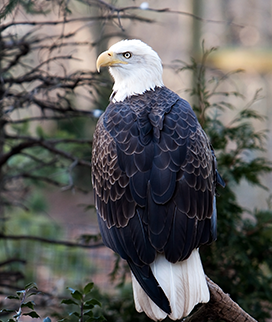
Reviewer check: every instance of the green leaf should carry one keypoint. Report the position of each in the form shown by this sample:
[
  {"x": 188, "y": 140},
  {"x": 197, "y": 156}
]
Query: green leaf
[
  {"x": 13, "y": 297},
  {"x": 29, "y": 304},
  {"x": 33, "y": 314},
  {"x": 88, "y": 288},
  {"x": 33, "y": 293},
  {"x": 74, "y": 313},
  {"x": 68, "y": 302},
  {"x": 89, "y": 313},
  {"x": 31, "y": 285},
  {"x": 77, "y": 295},
  {"x": 91, "y": 319},
  {"x": 88, "y": 307},
  {"x": 93, "y": 302}
]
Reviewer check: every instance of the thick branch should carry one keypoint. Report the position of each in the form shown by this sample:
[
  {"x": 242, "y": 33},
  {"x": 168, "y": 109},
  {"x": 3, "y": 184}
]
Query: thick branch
[{"x": 220, "y": 306}]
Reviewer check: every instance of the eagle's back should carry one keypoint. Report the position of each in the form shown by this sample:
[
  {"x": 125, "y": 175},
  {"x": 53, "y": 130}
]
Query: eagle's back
[{"x": 154, "y": 176}]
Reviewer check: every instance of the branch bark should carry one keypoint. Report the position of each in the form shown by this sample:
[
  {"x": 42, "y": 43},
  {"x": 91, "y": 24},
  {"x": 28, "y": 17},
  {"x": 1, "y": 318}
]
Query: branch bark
[{"x": 220, "y": 306}]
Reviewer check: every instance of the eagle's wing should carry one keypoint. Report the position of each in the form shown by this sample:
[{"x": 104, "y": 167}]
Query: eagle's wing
[
  {"x": 119, "y": 217},
  {"x": 154, "y": 180}
]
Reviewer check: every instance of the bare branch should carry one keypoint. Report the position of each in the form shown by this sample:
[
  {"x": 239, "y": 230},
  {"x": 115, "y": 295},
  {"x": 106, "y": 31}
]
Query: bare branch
[
  {"x": 55, "y": 183},
  {"x": 58, "y": 22},
  {"x": 112, "y": 8},
  {"x": 24, "y": 50},
  {"x": 51, "y": 141},
  {"x": 50, "y": 241},
  {"x": 66, "y": 155},
  {"x": 16, "y": 150},
  {"x": 12, "y": 260},
  {"x": 32, "y": 142}
]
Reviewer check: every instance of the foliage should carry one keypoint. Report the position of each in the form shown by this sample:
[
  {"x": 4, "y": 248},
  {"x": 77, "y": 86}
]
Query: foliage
[
  {"x": 84, "y": 305},
  {"x": 240, "y": 260},
  {"x": 80, "y": 305},
  {"x": 25, "y": 306}
]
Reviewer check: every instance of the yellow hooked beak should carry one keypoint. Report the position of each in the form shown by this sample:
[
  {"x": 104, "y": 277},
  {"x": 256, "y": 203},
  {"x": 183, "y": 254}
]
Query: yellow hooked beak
[{"x": 108, "y": 58}]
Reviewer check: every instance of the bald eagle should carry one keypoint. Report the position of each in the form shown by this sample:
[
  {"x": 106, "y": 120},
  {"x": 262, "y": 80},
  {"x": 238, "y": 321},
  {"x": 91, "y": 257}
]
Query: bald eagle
[{"x": 154, "y": 177}]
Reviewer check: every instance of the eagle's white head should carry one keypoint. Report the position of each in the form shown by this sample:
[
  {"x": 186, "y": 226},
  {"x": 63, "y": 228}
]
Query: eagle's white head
[{"x": 135, "y": 67}]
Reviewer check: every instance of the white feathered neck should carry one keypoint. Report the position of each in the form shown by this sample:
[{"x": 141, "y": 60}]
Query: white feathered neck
[{"x": 142, "y": 71}]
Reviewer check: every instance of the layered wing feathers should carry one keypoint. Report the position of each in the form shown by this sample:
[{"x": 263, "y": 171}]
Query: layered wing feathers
[
  {"x": 154, "y": 176},
  {"x": 151, "y": 157}
]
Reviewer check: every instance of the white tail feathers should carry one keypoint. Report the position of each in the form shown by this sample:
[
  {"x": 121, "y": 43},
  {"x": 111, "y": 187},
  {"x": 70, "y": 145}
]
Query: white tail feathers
[{"x": 183, "y": 283}]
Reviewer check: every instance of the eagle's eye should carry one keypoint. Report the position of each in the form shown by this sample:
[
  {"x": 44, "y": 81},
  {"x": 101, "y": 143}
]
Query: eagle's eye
[{"x": 127, "y": 55}]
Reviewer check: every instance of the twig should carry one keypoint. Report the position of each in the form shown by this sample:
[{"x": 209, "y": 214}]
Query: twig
[
  {"x": 54, "y": 23},
  {"x": 12, "y": 260}
]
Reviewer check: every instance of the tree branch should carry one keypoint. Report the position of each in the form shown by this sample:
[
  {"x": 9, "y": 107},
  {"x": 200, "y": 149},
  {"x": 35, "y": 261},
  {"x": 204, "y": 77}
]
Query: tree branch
[
  {"x": 58, "y": 22},
  {"x": 220, "y": 306},
  {"x": 50, "y": 141},
  {"x": 24, "y": 50},
  {"x": 12, "y": 260},
  {"x": 50, "y": 241},
  {"x": 32, "y": 142},
  {"x": 16, "y": 150}
]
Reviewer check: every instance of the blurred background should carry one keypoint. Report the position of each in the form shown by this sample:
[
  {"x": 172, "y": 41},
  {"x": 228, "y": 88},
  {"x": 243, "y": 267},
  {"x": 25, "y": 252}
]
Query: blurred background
[{"x": 51, "y": 95}]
